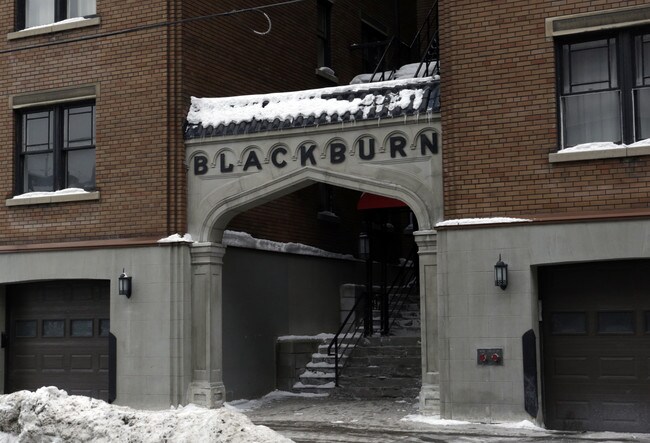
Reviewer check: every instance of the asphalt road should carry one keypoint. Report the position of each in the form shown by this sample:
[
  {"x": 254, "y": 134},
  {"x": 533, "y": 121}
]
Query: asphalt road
[{"x": 329, "y": 420}]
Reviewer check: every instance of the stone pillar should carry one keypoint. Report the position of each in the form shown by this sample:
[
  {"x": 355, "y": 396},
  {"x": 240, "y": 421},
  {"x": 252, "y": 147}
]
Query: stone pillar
[
  {"x": 206, "y": 388},
  {"x": 427, "y": 249}
]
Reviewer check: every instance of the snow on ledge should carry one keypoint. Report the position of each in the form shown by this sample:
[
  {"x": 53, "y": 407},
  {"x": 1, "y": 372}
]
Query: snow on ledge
[
  {"x": 177, "y": 238},
  {"x": 60, "y": 22},
  {"x": 67, "y": 191},
  {"x": 245, "y": 240},
  {"x": 289, "y": 105},
  {"x": 600, "y": 146},
  {"x": 481, "y": 221},
  {"x": 322, "y": 336}
]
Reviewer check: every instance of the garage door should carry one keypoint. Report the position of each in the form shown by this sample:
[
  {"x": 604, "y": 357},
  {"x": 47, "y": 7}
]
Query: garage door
[
  {"x": 58, "y": 336},
  {"x": 596, "y": 346}
]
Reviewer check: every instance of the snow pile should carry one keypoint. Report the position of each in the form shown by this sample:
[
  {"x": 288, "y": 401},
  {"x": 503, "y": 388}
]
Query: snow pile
[
  {"x": 481, "y": 221},
  {"x": 67, "y": 191},
  {"x": 50, "y": 414},
  {"x": 176, "y": 238},
  {"x": 599, "y": 146},
  {"x": 245, "y": 240},
  {"x": 289, "y": 105}
]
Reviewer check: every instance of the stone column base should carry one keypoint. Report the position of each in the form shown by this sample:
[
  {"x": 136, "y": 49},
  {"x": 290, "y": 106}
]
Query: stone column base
[
  {"x": 208, "y": 395},
  {"x": 430, "y": 399}
]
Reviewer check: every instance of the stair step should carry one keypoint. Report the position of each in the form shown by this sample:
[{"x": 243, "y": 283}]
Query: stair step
[
  {"x": 375, "y": 392},
  {"x": 383, "y": 371}
]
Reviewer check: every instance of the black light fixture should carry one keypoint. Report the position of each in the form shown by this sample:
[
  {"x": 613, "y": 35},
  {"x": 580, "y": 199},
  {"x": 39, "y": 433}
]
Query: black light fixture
[
  {"x": 501, "y": 274},
  {"x": 124, "y": 284},
  {"x": 364, "y": 245}
]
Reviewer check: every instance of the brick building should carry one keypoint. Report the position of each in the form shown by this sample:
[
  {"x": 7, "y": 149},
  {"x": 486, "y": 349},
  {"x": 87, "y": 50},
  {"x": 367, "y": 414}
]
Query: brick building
[
  {"x": 545, "y": 121},
  {"x": 536, "y": 160},
  {"x": 96, "y": 98}
]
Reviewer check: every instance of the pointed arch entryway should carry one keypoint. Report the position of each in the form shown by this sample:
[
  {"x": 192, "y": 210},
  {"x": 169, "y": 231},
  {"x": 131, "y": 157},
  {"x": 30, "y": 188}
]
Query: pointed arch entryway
[{"x": 263, "y": 167}]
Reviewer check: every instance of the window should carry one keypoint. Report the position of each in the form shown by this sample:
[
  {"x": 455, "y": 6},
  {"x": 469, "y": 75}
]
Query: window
[
  {"x": 43, "y": 12},
  {"x": 56, "y": 148},
  {"x": 323, "y": 34},
  {"x": 605, "y": 89},
  {"x": 373, "y": 42}
]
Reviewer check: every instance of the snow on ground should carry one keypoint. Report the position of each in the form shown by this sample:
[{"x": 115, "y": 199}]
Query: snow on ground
[
  {"x": 51, "y": 415},
  {"x": 435, "y": 420},
  {"x": 481, "y": 221},
  {"x": 249, "y": 405}
]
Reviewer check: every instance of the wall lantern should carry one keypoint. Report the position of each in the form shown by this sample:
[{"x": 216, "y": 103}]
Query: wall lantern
[
  {"x": 124, "y": 284},
  {"x": 364, "y": 245},
  {"x": 501, "y": 274}
]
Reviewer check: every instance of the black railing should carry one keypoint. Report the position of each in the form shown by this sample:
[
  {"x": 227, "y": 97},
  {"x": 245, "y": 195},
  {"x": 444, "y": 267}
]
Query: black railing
[
  {"x": 424, "y": 47},
  {"x": 405, "y": 284},
  {"x": 348, "y": 335},
  {"x": 359, "y": 321}
]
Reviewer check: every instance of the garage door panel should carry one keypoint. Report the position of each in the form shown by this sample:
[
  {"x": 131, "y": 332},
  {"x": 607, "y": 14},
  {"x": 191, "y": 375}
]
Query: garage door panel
[
  {"x": 619, "y": 368},
  {"x": 63, "y": 343},
  {"x": 54, "y": 362},
  {"x": 103, "y": 362},
  {"x": 575, "y": 368},
  {"x": 81, "y": 362},
  {"x": 26, "y": 362},
  {"x": 595, "y": 322}
]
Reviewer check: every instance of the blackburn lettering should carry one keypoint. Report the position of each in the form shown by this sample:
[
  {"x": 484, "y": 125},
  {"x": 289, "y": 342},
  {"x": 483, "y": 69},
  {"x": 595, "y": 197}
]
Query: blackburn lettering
[{"x": 366, "y": 148}]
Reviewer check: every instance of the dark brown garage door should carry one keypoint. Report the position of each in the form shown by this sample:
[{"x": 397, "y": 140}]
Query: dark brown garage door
[
  {"x": 58, "y": 336},
  {"x": 596, "y": 346}
]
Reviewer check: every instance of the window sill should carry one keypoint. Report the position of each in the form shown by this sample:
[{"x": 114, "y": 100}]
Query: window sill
[
  {"x": 42, "y": 200},
  {"x": 54, "y": 27},
  {"x": 623, "y": 152}
]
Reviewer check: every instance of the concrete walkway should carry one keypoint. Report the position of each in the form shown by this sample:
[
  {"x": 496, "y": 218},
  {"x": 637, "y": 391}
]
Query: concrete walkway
[{"x": 326, "y": 419}]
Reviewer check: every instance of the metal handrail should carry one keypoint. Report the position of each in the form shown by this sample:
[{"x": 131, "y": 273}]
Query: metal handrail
[
  {"x": 406, "y": 278},
  {"x": 349, "y": 333},
  {"x": 347, "y": 329}
]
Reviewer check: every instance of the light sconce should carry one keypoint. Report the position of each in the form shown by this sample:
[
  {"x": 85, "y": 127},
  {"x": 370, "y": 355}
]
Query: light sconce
[
  {"x": 124, "y": 284},
  {"x": 364, "y": 245},
  {"x": 501, "y": 274}
]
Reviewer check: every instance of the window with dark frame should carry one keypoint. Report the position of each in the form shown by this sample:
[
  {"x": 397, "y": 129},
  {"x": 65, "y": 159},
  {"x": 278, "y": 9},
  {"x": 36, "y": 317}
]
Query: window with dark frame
[
  {"x": 373, "y": 42},
  {"x": 604, "y": 88},
  {"x": 43, "y": 12},
  {"x": 323, "y": 34},
  {"x": 56, "y": 148}
]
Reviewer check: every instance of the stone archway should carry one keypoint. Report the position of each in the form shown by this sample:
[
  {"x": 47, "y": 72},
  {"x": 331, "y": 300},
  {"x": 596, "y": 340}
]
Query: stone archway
[{"x": 412, "y": 175}]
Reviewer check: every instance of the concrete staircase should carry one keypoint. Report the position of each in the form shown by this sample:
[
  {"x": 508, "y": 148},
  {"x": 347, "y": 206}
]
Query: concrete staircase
[
  {"x": 377, "y": 366},
  {"x": 381, "y": 367}
]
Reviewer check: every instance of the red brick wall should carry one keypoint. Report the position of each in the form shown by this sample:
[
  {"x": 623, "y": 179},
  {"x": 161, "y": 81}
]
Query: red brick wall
[
  {"x": 224, "y": 57},
  {"x": 499, "y": 117},
  {"x": 145, "y": 79},
  {"x": 132, "y": 127}
]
